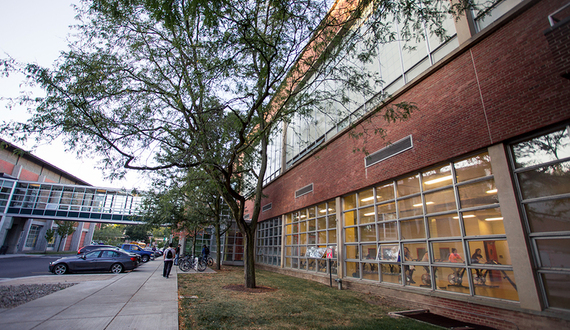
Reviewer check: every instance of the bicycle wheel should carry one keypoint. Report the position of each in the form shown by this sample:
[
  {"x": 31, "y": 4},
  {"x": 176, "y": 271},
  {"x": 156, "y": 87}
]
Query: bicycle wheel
[
  {"x": 184, "y": 265},
  {"x": 202, "y": 264},
  {"x": 210, "y": 262}
]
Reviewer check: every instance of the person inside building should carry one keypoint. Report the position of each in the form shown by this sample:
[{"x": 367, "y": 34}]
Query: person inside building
[
  {"x": 408, "y": 270},
  {"x": 477, "y": 258},
  {"x": 456, "y": 258},
  {"x": 205, "y": 252}
]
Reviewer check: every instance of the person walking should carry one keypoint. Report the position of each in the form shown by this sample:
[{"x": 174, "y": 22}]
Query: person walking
[{"x": 168, "y": 259}]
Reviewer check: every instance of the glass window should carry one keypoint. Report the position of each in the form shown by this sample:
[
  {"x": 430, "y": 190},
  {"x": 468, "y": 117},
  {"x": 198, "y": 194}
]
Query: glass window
[
  {"x": 473, "y": 167},
  {"x": 413, "y": 229},
  {"x": 448, "y": 252},
  {"x": 436, "y": 178},
  {"x": 478, "y": 194},
  {"x": 368, "y": 233},
  {"x": 366, "y": 197},
  {"x": 350, "y": 218},
  {"x": 489, "y": 252},
  {"x": 388, "y": 252},
  {"x": 370, "y": 271},
  {"x": 388, "y": 231},
  {"x": 352, "y": 252},
  {"x": 554, "y": 252},
  {"x": 332, "y": 221},
  {"x": 385, "y": 192},
  {"x": 349, "y": 202},
  {"x": 366, "y": 215},
  {"x": 387, "y": 211},
  {"x": 483, "y": 222},
  {"x": 440, "y": 201},
  {"x": 409, "y": 185},
  {"x": 557, "y": 289},
  {"x": 391, "y": 273},
  {"x": 444, "y": 226},
  {"x": 351, "y": 235},
  {"x": 545, "y": 181},
  {"x": 410, "y": 207},
  {"x": 548, "y": 216},
  {"x": 539, "y": 150},
  {"x": 451, "y": 279},
  {"x": 369, "y": 251},
  {"x": 414, "y": 251}
]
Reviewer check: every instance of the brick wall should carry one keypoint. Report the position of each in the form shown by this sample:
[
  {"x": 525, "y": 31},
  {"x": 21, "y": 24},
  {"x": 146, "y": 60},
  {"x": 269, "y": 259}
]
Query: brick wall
[
  {"x": 558, "y": 38},
  {"x": 501, "y": 87}
]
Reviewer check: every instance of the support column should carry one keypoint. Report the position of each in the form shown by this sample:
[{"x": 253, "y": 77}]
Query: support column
[
  {"x": 339, "y": 239},
  {"x": 516, "y": 237}
]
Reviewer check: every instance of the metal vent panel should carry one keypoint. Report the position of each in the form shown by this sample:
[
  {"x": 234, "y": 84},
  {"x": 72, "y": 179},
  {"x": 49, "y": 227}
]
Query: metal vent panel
[
  {"x": 389, "y": 151},
  {"x": 303, "y": 191},
  {"x": 266, "y": 207}
]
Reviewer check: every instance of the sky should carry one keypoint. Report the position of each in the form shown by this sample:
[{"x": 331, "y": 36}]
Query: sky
[{"x": 35, "y": 31}]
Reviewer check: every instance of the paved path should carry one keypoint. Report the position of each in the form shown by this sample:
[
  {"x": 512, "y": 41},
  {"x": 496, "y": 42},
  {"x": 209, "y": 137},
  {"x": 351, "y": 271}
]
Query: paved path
[{"x": 141, "y": 299}]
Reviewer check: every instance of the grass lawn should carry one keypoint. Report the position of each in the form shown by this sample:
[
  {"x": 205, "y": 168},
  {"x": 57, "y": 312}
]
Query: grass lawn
[{"x": 208, "y": 302}]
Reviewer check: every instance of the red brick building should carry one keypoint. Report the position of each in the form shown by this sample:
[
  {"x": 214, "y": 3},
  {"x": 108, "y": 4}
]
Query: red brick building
[{"x": 464, "y": 208}]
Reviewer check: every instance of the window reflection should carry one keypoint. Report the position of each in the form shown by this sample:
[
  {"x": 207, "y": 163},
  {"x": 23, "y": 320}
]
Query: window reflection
[
  {"x": 441, "y": 201},
  {"x": 368, "y": 233},
  {"x": 366, "y": 215},
  {"x": 385, "y": 192},
  {"x": 545, "y": 181},
  {"x": 557, "y": 289},
  {"x": 542, "y": 149},
  {"x": 554, "y": 252},
  {"x": 410, "y": 207},
  {"x": 387, "y": 211},
  {"x": 547, "y": 216},
  {"x": 478, "y": 194},
  {"x": 439, "y": 177},
  {"x": 366, "y": 197},
  {"x": 408, "y": 186},
  {"x": 473, "y": 167},
  {"x": 495, "y": 284},
  {"x": 388, "y": 231}
]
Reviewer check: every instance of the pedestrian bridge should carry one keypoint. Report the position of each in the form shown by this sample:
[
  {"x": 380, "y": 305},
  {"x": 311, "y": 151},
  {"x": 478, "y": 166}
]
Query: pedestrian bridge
[{"x": 68, "y": 202}]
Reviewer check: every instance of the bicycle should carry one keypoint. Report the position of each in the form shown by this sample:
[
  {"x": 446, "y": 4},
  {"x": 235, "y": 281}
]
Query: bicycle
[{"x": 188, "y": 262}]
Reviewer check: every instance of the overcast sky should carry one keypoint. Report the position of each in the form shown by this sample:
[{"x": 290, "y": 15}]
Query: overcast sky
[{"x": 36, "y": 31}]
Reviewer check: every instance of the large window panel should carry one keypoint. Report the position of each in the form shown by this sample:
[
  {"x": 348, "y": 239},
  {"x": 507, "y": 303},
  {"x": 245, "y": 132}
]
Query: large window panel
[
  {"x": 408, "y": 186},
  {"x": 483, "y": 222},
  {"x": 478, "y": 194},
  {"x": 473, "y": 167},
  {"x": 410, "y": 207},
  {"x": 546, "y": 181},
  {"x": 444, "y": 226},
  {"x": 413, "y": 229},
  {"x": 436, "y": 178},
  {"x": 388, "y": 231},
  {"x": 549, "y": 216},
  {"x": 440, "y": 201},
  {"x": 387, "y": 211}
]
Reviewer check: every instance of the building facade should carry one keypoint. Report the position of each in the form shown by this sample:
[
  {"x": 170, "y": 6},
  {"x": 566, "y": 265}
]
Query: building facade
[
  {"x": 463, "y": 208},
  {"x": 21, "y": 234}
]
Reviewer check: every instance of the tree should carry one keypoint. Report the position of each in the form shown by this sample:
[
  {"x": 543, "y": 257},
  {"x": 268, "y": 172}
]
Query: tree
[
  {"x": 50, "y": 234},
  {"x": 137, "y": 233},
  {"x": 109, "y": 233},
  {"x": 64, "y": 229},
  {"x": 153, "y": 85},
  {"x": 188, "y": 203}
]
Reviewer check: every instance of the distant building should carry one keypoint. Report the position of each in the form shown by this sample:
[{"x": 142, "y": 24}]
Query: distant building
[
  {"x": 26, "y": 234},
  {"x": 464, "y": 209}
]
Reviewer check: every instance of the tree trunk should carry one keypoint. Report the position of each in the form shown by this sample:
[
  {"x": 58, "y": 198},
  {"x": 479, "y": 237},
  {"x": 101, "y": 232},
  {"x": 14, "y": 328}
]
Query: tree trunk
[
  {"x": 219, "y": 245},
  {"x": 249, "y": 257}
]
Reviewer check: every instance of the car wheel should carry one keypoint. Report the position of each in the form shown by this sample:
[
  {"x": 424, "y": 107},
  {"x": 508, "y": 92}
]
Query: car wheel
[
  {"x": 60, "y": 269},
  {"x": 145, "y": 258},
  {"x": 116, "y": 268}
]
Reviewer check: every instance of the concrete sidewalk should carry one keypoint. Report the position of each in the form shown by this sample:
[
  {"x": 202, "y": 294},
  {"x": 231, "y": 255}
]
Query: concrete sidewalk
[{"x": 140, "y": 299}]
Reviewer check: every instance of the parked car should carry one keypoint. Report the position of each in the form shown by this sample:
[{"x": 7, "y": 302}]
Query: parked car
[
  {"x": 145, "y": 255},
  {"x": 101, "y": 260},
  {"x": 89, "y": 248}
]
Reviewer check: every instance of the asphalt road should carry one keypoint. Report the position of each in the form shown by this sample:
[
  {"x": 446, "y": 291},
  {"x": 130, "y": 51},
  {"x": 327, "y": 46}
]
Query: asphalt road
[{"x": 25, "y": 266}]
